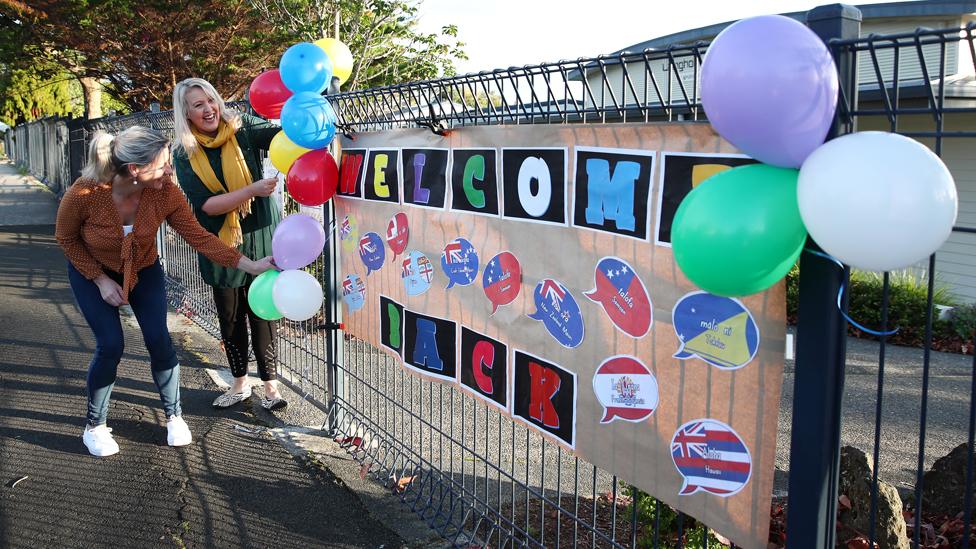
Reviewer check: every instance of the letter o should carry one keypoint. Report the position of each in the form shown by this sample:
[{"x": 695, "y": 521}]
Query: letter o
[{"x": 534, "y": 168}]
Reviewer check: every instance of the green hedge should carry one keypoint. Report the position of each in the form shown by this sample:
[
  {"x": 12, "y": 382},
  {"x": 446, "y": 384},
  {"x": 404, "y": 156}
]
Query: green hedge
[{"x": 907, "y": 305}]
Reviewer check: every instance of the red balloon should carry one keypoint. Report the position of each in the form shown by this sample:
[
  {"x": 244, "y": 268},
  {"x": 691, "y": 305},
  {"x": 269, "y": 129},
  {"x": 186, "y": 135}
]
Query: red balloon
[
  {"x": 313, "y": 178},
  {"x": 268, "y": 94}
]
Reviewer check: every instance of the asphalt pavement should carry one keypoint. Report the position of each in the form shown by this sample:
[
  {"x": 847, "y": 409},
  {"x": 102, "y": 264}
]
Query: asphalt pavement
[{"x": 235, "y": 486}]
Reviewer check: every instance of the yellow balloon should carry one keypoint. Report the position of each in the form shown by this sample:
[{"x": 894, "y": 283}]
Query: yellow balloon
[
  {"x": 340, "y": 56},
  {"x": 283, "y": 152}
]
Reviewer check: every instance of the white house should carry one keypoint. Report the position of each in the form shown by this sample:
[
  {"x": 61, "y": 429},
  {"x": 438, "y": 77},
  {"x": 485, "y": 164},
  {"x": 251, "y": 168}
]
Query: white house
[{"x": 956, "y": 260}]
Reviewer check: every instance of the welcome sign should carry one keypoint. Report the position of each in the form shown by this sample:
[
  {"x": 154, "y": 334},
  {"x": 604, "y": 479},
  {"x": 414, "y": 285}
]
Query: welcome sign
[{"x": 532, "y": 267}]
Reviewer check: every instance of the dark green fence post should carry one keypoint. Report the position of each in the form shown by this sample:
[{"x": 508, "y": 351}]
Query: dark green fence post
[{"x": 818, "y": 387}]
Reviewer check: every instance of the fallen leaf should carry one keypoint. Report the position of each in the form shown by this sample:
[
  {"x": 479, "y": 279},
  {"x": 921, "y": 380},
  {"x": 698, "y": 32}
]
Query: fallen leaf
[
  {"x": 845, "y": 501},
  {"x": 402, "y": 484}
]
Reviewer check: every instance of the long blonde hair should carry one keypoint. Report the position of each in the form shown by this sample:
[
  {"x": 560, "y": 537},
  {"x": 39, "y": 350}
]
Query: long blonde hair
[
  {"x": 181, "y": 124},
  {"x": 109, "y": 155}
]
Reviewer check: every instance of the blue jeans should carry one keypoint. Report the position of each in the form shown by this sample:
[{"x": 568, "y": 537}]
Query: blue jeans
[{"x": 148, "y": 302}]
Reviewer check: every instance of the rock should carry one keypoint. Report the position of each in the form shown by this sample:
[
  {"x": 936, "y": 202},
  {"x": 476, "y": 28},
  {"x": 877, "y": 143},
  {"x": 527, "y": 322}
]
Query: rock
[
  {"x": 943, "y": 486},
  {"x": 855, "y": 483}
]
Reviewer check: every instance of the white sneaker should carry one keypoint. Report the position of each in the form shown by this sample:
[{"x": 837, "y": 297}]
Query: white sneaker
[
  {"x": 231, "y": 398},
  {"x": 99, "y": 441},
  {"x": 177, "y": 432}
]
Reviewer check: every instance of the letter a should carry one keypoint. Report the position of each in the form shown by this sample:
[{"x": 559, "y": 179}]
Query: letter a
[
  {"x": 483, "y": 358},
  {"x": 380, "y": 187},
  {"x": 425, "y": 351},
  {"x": 611, "y": 198},
  {"x": 545, "y": 385}
]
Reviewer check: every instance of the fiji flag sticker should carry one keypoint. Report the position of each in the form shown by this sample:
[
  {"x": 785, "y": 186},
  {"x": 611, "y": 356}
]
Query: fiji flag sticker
[
  {"x": 623, "y": 296},
  {"x": 711, "y": 457},
  {"x": 557, "y": 309},
  {"x": 718, "y": 330}
]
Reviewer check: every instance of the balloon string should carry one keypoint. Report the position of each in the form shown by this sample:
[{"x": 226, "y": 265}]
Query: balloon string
[{"x": 840, "y": 297}]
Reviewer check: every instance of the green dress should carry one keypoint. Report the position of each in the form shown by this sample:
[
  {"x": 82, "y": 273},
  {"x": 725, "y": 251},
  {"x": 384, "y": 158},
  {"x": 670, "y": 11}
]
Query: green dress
[{"x": 257, "y": 227}]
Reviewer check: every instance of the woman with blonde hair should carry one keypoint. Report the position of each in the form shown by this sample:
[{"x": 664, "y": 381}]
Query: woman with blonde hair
[
  {"x": 218, "y": 165},
  {"x": 106, "y": 225}
]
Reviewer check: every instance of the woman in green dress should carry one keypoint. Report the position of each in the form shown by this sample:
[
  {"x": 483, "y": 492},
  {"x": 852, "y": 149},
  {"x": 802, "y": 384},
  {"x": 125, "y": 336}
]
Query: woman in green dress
[{"x": 217, "y": 164}]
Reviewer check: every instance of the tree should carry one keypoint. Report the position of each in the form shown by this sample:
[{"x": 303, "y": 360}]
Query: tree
[
  {"x": 27, "y": 95},
  {"x": 386, "y": 45},
  {"x": 140, "y": 50}
]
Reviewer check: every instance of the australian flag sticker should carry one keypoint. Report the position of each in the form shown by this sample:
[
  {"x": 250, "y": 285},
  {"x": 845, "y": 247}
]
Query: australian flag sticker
[
  {"x": 711, "y": 457},
  {"x": 557, "y": 309}
]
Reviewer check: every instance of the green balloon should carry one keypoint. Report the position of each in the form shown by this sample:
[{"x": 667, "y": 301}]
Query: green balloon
[
  {"x": 739, "y": 231},
  {"x": 259, "y": 296}
]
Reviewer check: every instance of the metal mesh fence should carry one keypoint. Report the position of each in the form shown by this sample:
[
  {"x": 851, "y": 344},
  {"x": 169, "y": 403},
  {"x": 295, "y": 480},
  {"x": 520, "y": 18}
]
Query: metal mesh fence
[{"x": 477, "y": 477}]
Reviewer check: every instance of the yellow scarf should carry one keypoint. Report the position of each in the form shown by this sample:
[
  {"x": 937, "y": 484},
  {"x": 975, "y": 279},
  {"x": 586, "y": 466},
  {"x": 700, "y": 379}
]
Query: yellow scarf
[{"x": 236, "y": 176}]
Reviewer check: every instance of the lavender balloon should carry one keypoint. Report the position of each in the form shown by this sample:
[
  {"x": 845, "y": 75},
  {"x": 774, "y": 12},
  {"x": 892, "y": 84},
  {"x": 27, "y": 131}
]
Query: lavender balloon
[
  {"x": 769, "y": 86},
  {"x": 297, "y": 241}
]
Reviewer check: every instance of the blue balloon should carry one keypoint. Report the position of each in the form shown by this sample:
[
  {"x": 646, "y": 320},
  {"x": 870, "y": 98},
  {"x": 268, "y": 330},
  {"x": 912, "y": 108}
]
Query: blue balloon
[
  {"x": 308, "y": 120},
  {"x": 305, "y": 67}
]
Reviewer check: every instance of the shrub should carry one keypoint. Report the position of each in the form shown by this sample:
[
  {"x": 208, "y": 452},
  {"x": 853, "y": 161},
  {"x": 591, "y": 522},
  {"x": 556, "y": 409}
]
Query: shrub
[
  {"x": 907, "y": 304},
  {"x": 962, "y": 321},
  {"x": 651, "y": 511}
]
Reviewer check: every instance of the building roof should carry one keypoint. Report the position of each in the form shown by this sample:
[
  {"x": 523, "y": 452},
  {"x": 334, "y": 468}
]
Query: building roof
[{"x": 913, "y": 8}]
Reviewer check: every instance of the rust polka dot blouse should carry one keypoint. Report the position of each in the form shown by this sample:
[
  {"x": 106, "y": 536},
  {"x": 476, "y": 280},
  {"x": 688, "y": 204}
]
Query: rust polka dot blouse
[{"x": 90, "y": 232}]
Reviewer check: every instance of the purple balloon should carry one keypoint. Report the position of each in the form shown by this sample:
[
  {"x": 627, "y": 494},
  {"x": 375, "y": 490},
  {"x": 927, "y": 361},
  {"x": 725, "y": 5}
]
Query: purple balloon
[
  {"x": 769, "y": 86},
  {"x": 297, "y": 241}
]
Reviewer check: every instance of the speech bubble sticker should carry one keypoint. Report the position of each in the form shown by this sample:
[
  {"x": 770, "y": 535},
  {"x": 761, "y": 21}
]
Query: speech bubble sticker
[
  {"x": 459, "y": 260},
  {"x": 398, "y": 233},
  {"x": 626, "y": 389},
  {"x": 354, "y": 292},
  {"x": 417, "y": 272},
  {"x": 621, "y": 293},
  {"x": 349, "y": 233},
  {"x": 372, "y": 251},
  {"x": 502, "y": 279},
  {"x": 557, "y": 309},
  {"x": 718, "y": 330},
  {"x": 711, "y": 457}
]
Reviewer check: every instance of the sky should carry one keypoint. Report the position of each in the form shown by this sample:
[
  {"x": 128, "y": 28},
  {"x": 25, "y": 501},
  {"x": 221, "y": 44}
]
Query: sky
[{"x": 506, "y": 33}]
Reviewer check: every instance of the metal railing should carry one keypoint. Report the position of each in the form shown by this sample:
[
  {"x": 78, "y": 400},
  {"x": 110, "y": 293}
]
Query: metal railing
[{"x": 479, "y": 478}]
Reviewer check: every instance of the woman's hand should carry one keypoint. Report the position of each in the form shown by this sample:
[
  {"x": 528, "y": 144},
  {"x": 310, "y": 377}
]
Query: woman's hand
[
  {"x": 110, "y": 290},
  {"x": 256, "y": 267},
  {"x": 263, "y": 187}
]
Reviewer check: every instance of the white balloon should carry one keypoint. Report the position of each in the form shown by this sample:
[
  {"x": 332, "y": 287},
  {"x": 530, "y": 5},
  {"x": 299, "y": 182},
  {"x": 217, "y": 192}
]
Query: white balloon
[
  {"x": 297, "y": 295},
  {"x": 877, "y": 201}
]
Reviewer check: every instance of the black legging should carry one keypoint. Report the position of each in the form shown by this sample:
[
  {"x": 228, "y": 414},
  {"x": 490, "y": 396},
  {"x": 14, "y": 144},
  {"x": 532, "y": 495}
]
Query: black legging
[{"x": 234, "y": 315}]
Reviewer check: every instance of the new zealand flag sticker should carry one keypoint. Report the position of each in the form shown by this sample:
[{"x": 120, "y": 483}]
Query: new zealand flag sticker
[{"x": 557, "y": 309}]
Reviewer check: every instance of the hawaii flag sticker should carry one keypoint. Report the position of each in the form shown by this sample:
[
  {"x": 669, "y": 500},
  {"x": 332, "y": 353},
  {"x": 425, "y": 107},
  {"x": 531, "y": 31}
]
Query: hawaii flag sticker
[
  {"x": 626, "y": 389},
  {"x": 711, "y": 457}
]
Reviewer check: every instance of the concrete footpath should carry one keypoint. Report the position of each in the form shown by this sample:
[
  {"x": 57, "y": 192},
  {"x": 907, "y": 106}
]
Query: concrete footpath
[{"x": 248, "y": 479}]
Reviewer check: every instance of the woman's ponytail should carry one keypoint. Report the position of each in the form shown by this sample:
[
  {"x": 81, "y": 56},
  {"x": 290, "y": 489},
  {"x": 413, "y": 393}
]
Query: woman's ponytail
[{"x": 99, "y": 165}]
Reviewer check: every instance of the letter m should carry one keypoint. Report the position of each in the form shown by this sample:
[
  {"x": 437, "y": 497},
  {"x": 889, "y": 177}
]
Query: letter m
[{"x": 611, "y": 198}]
